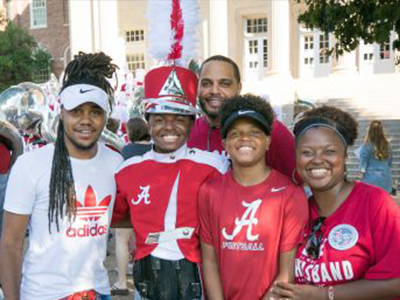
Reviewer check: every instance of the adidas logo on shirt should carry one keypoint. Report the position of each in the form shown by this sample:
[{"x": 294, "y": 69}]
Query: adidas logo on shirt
[{"x": 90, "y": 212}]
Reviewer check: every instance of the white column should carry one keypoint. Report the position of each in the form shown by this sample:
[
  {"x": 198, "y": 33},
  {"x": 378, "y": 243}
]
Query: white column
[
  {"x": 111, "y": 39},
  {"x": 279, "y": 83},
  {"x": 94, "y": 28},
  {"x": 81, "y": 26},
  {"x": 345, "y": 64},
  {"x": 278, "y": 37},
  {"x": 218, "y": 27}
]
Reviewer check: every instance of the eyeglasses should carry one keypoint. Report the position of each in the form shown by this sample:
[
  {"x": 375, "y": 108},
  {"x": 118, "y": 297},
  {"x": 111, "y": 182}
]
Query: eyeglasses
[{"x": 315, "y": 238}]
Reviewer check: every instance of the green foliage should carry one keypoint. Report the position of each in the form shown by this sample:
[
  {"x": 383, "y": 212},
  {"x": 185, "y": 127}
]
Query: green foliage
[
  {"x": 41, "y": 64},
  {"x": 20, "y": 56},
  {"x": 16, "y": 46},
  {"x": 352, "y": 20},
  {"x": 42, "y": 59},
  {"x": 194, "y": 66}
]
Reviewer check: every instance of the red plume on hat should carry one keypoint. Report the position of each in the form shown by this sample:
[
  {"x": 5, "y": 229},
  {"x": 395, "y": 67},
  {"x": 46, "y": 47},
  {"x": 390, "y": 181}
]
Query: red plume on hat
[{"x": 172, "y": 41}]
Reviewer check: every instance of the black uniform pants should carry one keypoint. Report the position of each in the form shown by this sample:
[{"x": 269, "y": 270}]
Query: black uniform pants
[{"x": 159, "y": 279}]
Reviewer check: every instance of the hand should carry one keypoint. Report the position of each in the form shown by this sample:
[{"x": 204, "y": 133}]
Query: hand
[
  {"x": 359, "y": 176},
  {"x": 286, "y": 291}
]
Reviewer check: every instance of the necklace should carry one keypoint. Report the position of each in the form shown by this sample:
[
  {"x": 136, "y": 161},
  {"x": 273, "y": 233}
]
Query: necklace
[{"x": 326, "y": 207}]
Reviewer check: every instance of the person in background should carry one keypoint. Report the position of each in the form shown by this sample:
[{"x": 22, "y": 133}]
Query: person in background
[
  {"x": 252, "y": 218},
  {"x": 5, "y": 160},
  {"x": 139, "y": 138},
  {"x": 351, "y": 245},
  {"x": 376, "y": 158},
  {"x": 10, "y": 149},
  {"x": 138, "y": 132},
  {"x": 219, "y": 80},
  {"x": 113, "y": 125},
  {"x": 65, "y": 193}
]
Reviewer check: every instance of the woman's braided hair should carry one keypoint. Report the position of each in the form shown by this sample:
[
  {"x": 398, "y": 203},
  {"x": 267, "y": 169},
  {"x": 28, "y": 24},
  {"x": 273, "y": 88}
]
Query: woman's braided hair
[{"x": 93, "y": 69}]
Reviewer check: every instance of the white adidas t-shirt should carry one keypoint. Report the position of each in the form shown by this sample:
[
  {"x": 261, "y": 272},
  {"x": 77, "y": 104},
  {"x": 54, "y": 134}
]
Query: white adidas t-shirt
[{"x": 71, "y": 260}]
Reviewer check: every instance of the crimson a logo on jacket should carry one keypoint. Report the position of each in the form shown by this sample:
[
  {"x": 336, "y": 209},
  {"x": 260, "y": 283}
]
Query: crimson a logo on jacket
[{"x": 149, "y": 185}]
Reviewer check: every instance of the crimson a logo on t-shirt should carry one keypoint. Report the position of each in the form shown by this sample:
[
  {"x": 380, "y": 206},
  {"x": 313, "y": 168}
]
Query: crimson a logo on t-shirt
[
  {"x": 248, "y": 219},
  {"x": 89, "y": 211}
]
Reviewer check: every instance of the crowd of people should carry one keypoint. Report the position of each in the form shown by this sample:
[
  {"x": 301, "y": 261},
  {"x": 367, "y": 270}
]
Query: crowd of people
[{"x": 215, "y": 204}]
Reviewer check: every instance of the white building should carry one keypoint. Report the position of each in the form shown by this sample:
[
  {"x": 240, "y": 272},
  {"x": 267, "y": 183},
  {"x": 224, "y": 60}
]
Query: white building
[{"x": 277, "y": 56}]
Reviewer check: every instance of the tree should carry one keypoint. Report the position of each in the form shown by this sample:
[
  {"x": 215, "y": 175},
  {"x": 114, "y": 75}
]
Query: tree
[
  {"x": 42, "y": 61},
  {"x": 20, "y": 56},
  {"x": 16, "y": 47},
  {"x": 352, "y": 20}
]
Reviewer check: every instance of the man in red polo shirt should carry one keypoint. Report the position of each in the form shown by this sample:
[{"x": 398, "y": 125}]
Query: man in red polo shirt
[{"x": 220, "y": 80}]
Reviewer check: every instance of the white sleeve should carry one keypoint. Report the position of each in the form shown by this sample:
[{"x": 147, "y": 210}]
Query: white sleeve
[{"x": 20, "y": 192}]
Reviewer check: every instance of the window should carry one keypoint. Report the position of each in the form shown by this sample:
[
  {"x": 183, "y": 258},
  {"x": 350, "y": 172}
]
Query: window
[
  {"x": 323, "y": 48},
  {"x": 314, "y": 58},
  {"x": 135, "y": 62},
  {"x": 308, "y": 50},
  {"x": 368, "y": 56},
  {"x": 256, "y": 25},
  {"x": 134, "y": 35},
  {"x": 42, "y": 75},
  {"x": 368, "y": 52},
  {"x": 308, "y": 60},
  {"x": 38, "y": 13},
  {"x": 384, "y": 51},
  {"x": 255, "y": 47},
  {"x": 265, "y": 53},
  {"x": 308, "y": 42}
]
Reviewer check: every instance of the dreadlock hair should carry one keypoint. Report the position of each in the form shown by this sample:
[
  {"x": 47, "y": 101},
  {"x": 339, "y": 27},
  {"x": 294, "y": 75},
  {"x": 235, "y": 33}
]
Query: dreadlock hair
[
  {"x": 93, "y": 69},
  {"x": 62, "y": 186},
  {"x": 377, "y": 137}
]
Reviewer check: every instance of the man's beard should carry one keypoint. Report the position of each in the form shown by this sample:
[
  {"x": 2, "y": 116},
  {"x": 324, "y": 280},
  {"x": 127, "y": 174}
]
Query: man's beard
[
  {"x": 211, "y": 115},
  {"x": 79, "y": 146}
]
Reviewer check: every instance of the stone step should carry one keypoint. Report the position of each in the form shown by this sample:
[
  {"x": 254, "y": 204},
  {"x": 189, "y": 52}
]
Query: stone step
[
  {"x": 382, "y": 106},
  {"x": 355, "y": 166},
  {"x": 392, "y": 133},
  {"x": 352, "y": 156},
  {"x": 394, "y": 144},
  {"x": 395, "y": 172}
]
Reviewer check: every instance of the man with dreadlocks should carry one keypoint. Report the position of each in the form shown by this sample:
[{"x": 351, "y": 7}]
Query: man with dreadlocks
[{"x": 64, "y": 193}]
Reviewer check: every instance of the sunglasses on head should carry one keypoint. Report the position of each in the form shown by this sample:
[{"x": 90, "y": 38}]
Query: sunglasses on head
[{"x": 315, "y": 238}]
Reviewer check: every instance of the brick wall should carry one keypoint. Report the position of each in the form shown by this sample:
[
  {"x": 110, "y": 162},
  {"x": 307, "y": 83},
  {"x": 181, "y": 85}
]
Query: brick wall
[{"x": 55, "y": 37}]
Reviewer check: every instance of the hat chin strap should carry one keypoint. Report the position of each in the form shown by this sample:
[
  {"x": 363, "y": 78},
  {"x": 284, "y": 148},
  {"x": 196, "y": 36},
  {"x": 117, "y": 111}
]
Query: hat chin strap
[{"x": 162, "y": 106}]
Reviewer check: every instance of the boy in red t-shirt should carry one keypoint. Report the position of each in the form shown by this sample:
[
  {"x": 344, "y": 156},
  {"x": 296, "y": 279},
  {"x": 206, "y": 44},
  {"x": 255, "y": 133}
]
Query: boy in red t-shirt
[{"x": 251, "y": 219}]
